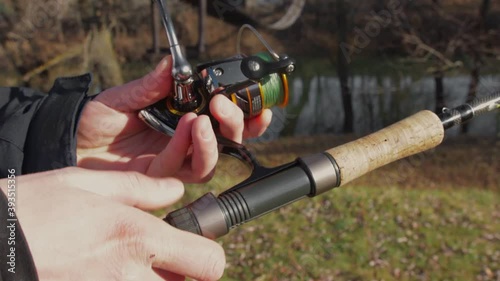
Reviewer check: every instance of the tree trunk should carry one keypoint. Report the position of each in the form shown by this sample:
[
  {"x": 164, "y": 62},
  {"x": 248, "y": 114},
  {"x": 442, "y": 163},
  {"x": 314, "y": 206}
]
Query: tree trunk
[
  {"x": 155, "y": 28},
  {"x": 476, "y": 57},
  {"x": 438, "y": 79},
  {"x": 483, "y": 13},
  {"x": 102, "y": 58},
  {"x": 201, "y": 27},
  {"x": 474, "y": 83},
  {"x": 343, "y": 67},
  {"x": 14, "y": 72}
]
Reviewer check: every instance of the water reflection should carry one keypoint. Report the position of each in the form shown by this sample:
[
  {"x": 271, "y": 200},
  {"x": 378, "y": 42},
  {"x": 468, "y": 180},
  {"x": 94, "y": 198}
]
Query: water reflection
[{"x": 316, "y": 107}]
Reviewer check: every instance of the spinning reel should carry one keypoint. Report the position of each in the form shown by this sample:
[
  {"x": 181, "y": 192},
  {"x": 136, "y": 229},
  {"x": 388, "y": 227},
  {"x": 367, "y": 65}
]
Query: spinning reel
[{"x": 253, "y": 83}]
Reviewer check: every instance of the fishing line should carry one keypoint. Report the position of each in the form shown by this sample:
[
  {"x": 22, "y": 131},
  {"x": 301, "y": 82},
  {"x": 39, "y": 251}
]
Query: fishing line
[
  {"x": 261, "y": 39},
  {"x": 272, "y": 86}
]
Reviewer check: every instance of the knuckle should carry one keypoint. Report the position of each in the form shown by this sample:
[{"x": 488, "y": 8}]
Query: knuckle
[
  {"x": 133, "y": 183},
  {"x": 216, "y": 262},
  {"x": 136, "y": 248},
  {"x": 133, "y": 180},
  {"x": 124, "y": 227},
  {"x": 129, "y": 236}
]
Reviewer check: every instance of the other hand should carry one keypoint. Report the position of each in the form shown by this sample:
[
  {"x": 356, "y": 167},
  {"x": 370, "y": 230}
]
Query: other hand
[
  {"x": 111, "y": 136},
  {"x": 75, "y": 232}
]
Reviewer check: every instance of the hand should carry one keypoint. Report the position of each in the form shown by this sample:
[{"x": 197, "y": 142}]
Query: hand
[
  {"x": 112, "y": 137},
  {"x": 75, "y": 233}
]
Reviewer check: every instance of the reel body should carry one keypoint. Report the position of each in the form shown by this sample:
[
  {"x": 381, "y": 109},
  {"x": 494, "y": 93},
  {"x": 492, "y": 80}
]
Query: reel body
[{"x": 253, "y": 83}]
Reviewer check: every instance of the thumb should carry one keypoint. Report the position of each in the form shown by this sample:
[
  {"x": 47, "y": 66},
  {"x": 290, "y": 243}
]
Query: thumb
[
  {"x": 130, "y": 188},
  {"x": 142, "y": 92}
]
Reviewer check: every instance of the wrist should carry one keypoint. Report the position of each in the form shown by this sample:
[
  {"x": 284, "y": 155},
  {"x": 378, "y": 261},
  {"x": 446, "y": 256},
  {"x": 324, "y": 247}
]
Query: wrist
[{"x": 51, "y": 141}]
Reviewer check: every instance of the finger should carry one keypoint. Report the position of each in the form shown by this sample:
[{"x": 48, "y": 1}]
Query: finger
[
  {"x": 170, "y": 160},
  {"x": 130, "y": 188},
  {"x": 142, "y": 92},
  {"x": 255, "y": 127},
  {"x": 183, "y": 253},
  {"x": 229, "y": 116},
  {"x": 150, "y": 275},
  {"x": 205, "y": 153},
  {"x": 167, "y": 275}
]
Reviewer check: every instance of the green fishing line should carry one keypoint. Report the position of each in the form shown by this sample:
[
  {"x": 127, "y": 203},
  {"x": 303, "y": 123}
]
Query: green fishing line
[{"x": 272, "y": 86}]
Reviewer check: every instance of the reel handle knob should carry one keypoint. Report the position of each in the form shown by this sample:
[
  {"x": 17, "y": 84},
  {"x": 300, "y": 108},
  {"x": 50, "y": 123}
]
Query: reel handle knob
[{"x": 256, "y": 68}]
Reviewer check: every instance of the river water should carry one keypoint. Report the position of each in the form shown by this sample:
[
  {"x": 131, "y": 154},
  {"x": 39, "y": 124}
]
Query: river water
[{"x": 315, "y": 105}]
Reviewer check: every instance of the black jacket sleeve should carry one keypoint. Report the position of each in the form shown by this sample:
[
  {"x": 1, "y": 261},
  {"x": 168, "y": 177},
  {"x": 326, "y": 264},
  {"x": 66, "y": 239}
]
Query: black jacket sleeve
[{"x": 37, "y": 133}]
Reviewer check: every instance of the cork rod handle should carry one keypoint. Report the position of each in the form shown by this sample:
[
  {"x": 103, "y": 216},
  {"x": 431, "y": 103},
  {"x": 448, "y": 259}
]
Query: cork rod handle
[{"x": 417, "y": 133}]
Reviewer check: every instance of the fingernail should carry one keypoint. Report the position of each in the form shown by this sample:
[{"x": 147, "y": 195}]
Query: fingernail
[
  {"x": 224, "y": 110},
  {"x": 163, "y": 65},
  {"x": 172, "y": 187}
]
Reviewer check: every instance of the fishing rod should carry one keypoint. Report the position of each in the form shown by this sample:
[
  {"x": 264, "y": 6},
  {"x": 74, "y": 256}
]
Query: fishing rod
[
  {"x": 260, "y": 81},
  {"x": 269, "y": 189}
]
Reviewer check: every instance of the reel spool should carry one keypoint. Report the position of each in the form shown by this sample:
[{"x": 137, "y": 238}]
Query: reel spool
[{"x": 272, "y": 90}]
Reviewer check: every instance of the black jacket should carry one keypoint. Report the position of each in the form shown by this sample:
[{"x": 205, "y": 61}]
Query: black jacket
[{"x": 37, "y": 133}]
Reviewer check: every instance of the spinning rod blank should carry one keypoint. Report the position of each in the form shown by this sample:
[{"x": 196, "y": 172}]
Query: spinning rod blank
[{"x": 467, "y": 111}]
